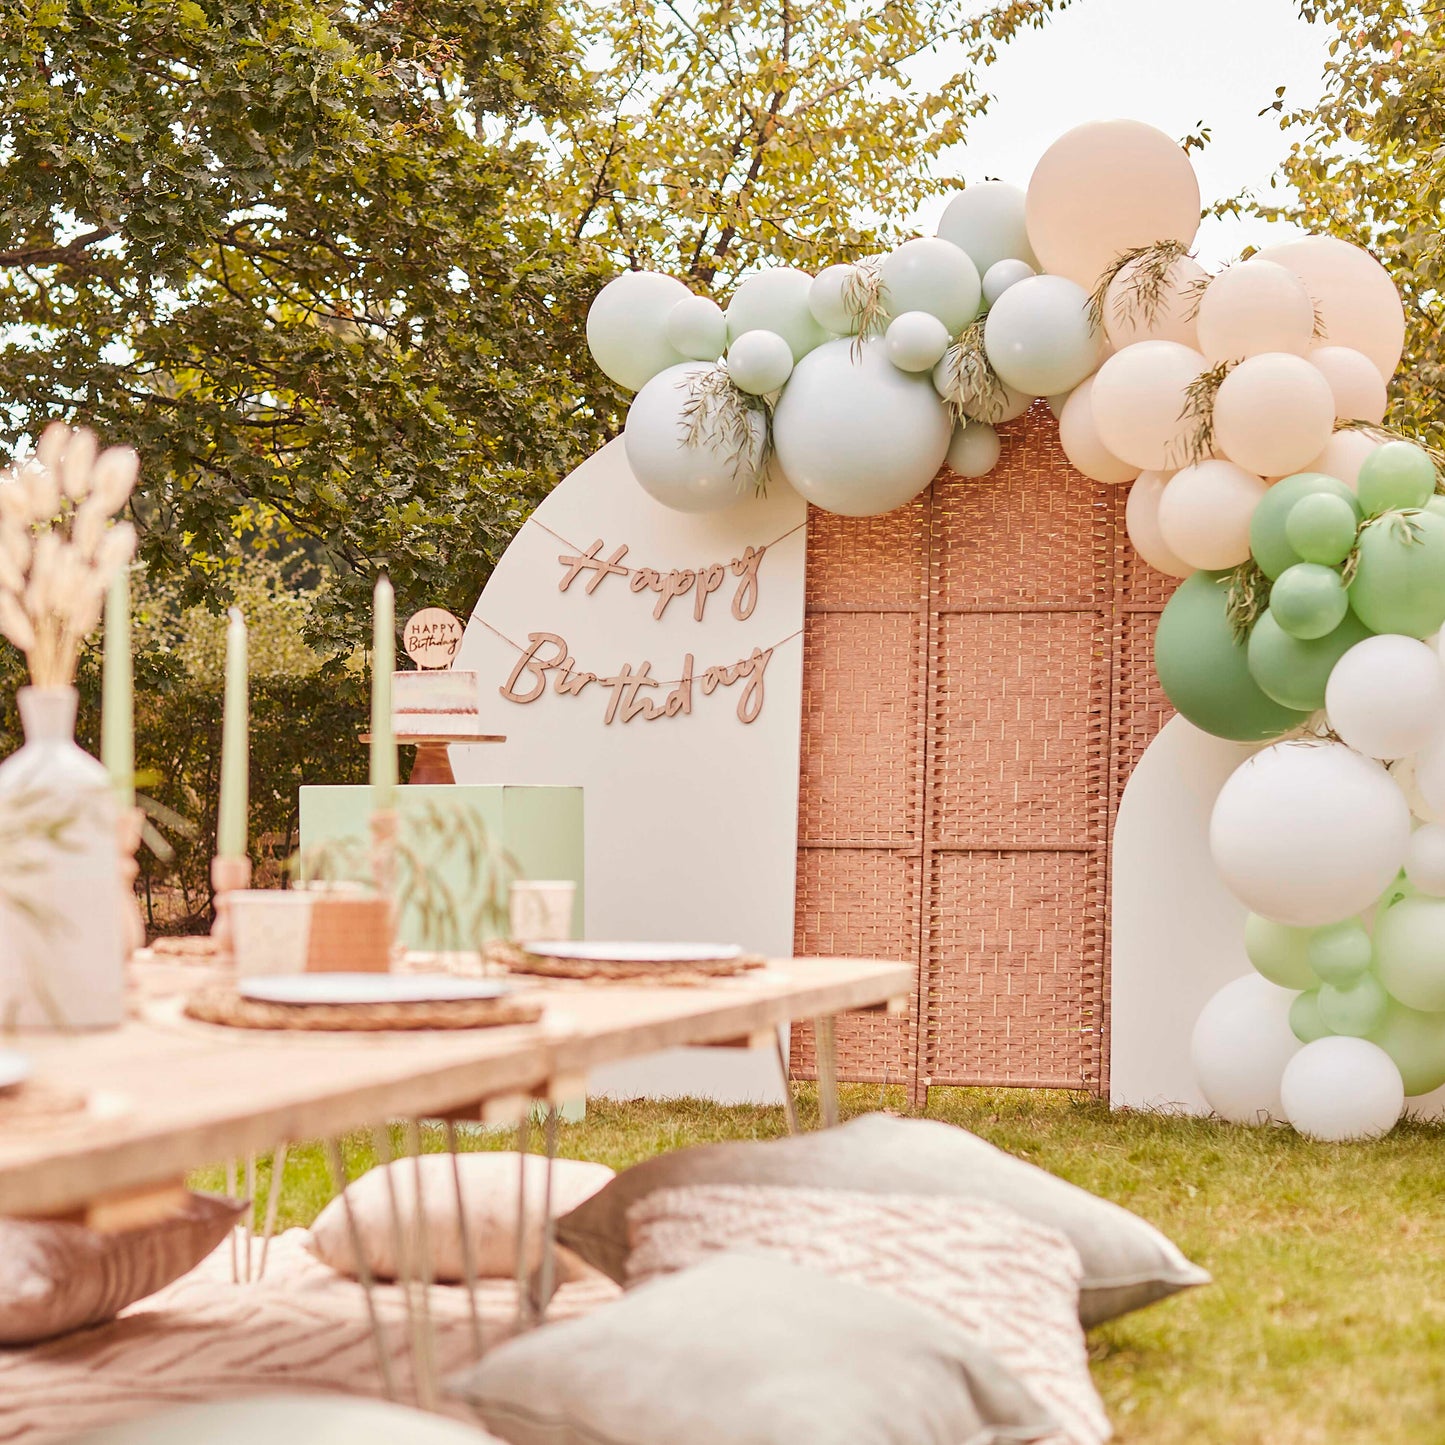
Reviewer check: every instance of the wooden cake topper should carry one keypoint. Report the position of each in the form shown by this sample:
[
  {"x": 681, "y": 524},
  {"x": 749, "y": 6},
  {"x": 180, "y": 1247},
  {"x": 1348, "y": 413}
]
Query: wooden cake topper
[{"x": 431, "y": 638}]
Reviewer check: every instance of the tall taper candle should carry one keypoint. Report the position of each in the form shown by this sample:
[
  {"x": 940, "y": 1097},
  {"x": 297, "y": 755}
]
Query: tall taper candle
[
  {"x": 235, "y": 748},
  {"x": 117, "y": 710},
  {"x": 383, "y": 660}
]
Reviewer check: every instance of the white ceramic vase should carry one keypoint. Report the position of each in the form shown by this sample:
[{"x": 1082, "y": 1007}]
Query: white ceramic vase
[{"x": 62, "y": 923}]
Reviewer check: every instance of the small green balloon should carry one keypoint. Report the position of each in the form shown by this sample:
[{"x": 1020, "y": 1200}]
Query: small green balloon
[
  {"x": 1309, "y": 601},
  {"x": 1416, "y": 1042},
  {"x": 1304, "y": 1018},
  {"x": 1357, "y": 1009},
  {"x": 1279, "y": 952},
  {"x": 1397, "y": 474},
  {"x": 1436, "y": 504},
  {"x": 1205, "y": 673},
  {"x": 1295, "y": 672},
  {"x": 1268, "y": 539},
  {"x": 1399, "y": 585},
  {"x": 1340, "y": 953},
  {"x": 1410, "y": 952},
  {"x": 1321, "y": 528}
]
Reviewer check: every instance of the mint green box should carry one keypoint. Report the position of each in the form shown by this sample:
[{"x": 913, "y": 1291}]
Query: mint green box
[{"x": 539, "y": 827}]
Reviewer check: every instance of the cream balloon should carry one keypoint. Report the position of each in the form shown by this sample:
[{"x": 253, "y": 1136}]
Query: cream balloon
[
  {"x": 1358, "y": 388},
  {"x": 1141, "y": 521},
  {"x": 1425, "y": 860},
  {"x": 1358, "y": 304},
  {"x": 1386, "y": 695},
  {"x": 1342, "y": 1088},
  {"x": 1344, "y": 455},
  {"x": 973, "y": 450},
  {"x": 1205, "y": 512},
  {"x": 1403, "y": 773},
  {"x": 1253, "y": 307},
  {"x": 1429, "y": 774},
  {"x": 1240, "y": 1047},
  {"x": 1272, "y": 413},
  {"x": 1139, "y": 400},
  {"x": 987, "y": 221},
  {"x": 1105, "y": 188},
  {"x": 1171, "y": 316},
  {"x": 1079, "y": 437},
  {"x": 627, "y": 327}
]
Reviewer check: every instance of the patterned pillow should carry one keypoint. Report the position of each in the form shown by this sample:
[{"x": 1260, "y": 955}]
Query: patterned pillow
[
  {"x": 1007, "y": 1284},
  {"x": 57, "y": 1277}
]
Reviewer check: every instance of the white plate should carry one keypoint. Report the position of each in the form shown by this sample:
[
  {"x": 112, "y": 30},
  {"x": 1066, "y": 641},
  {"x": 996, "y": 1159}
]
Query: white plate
[
  {"x": 361, "y": 988},
  {"x": 14, "y": 1068},
  {"x": 637, "y": 952}
]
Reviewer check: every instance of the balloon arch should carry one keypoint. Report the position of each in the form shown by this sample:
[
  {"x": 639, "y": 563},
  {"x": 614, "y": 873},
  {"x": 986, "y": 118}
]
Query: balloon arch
[{"x": 1245, "y": 412}]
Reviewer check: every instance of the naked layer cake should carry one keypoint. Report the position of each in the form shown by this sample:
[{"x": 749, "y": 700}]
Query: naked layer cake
[{"x": 441, "y": 703}]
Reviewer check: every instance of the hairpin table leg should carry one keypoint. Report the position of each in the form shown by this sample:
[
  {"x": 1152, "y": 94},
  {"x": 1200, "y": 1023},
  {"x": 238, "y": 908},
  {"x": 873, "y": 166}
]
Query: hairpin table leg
[
  {"x": 827, "y": 1038},
  {"x": 790, "y": 1106},
  {"x": 464, "y": 1231},
  {"x": 524, "y": 1129},
  {"x": 273, "y": 1203},
  {"x": 549, "y": 1228}
]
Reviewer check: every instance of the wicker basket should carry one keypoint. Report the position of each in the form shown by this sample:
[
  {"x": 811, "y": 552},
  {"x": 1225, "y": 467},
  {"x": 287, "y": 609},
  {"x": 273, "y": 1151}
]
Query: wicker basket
[{"x": 349, "y": 934}]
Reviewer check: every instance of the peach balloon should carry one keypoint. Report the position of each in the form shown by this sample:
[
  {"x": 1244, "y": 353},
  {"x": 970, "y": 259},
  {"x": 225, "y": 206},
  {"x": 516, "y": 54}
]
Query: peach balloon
[
  {"x": 1138, "y": 402},
  {"x": 1171, "y": 319},
  {"x": 1344, "y": 455},
  {"x": 1253, "y": 307},
  {"x": 1359, "y": 389},
  {"x": 1105, "y": 188},
  {"x": 1205, "y": 512},
  {"x": 1141, "y": 521},
  {"x": 1272, "y": 413},
  {"x": 1358, "y": 303},
  {"x": 1079, "y": 437}
]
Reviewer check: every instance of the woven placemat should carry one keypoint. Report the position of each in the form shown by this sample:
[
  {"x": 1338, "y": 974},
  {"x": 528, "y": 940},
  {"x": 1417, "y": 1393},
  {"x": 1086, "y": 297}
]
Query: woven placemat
[
  {"x": 517, "y": 960},
  {"x": 200, "y": 945},
  {"x": 39, "y": 1106},
  {"x": 221, "y": 1004}
]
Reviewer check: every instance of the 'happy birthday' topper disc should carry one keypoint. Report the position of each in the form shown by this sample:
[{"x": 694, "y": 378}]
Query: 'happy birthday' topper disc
[{"x": 431, "y": 638}]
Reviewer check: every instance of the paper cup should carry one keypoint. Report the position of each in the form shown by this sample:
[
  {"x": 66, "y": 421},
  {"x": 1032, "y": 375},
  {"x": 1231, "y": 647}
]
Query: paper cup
[
  {"x": 270, "y": 930},
  {"x": 541, "y": 911}
]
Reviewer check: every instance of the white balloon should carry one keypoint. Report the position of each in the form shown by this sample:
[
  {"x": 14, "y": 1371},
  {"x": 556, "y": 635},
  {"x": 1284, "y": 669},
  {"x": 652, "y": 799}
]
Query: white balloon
[
  {"x": 702, "y": 478},
  {"x": 1358, "y": 388},
  {"x": 759, "y": 362},
  {"x": 1141, "y": 521},
  {"x": 1003, "y": 274},
  {"x": 776, "y": 300},
  {"x": 828, "y": 300},
  {"x": 1403, "y": 772},
  {"x": 1272, "y": 413},
  {"x": 916, "y": 341},
  {"x": 1057, "y": 402},
  {"x": 998, "y": 404},
  {"x": 1344, "y": 455},
  {"x": 974, "y": 450},
  {"x": 1139, "y": 401},
  {"x": 931, "y": 275},
  {"x": 1039, "y": 338},
  {"x": 858, "y": 436},
  {"x": 1342, "y": 1088},
  {"x": 1253, "y": 307},
  {"x": 1386, "y": 695},
  {"x": 1425, "y": 860},
  {"x": 1205, "y": 513},
  {"x": 1429, "y": 771},
  {"x": 1309, "y": 832},
  {"x": 1079, "y": 437},
  {"x": 697, "y": 329},
  {"x": 627, "y": 327},
  {"x": 987, "y": 221},
  {"x": 1240, "y": 1048},
  {"x": 1171, "y": 318}
]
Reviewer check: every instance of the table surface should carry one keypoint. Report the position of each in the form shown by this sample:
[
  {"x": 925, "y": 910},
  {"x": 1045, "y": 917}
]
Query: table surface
[{"x": 139, "y": 1106}]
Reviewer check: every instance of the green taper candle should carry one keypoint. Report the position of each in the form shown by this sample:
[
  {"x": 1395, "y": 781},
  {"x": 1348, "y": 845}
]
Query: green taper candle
[
  {"x": 235, "y": 749},
  {"x": 117, "y": 712},
  {"x": 383, "y": 658}
]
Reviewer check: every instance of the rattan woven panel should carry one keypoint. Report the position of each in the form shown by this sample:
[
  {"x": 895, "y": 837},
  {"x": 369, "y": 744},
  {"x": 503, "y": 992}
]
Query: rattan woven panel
[{"x": 869, "y": 563}]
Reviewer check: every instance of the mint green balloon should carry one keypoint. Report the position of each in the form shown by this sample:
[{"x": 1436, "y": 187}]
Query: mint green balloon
[
  {"x": 1399, "y": 585},
  {"x": 1416, "y": 1042},
  {"x": 1357, "y": 1009},
  {"x": 1397, "y": 474},
  {"x": 1279, "y": 952},
  {"x": 1436, "y": 504},
  {"x": 1410, "y": 952},
  {"x": 1321, "y": 528},
  {"x": 1205, "y": 672},
  {"x": 1309, "y": 601},
  {"x": 1340, "y": 953},
  {"x": 1295, "y": 672},
  {"x": 1268, "y": 539},
  {"x": 1304, "y": 1018}
]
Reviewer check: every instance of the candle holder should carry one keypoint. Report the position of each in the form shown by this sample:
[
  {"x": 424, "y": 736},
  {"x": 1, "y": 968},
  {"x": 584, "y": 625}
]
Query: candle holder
[
  {"x": 129, "y": 823},
  {"x": 228, "y": 875}
]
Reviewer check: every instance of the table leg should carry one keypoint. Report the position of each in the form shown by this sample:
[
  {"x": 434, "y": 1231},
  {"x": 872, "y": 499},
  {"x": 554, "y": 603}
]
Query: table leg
[
  {"x": 251, "y": 1212},
  {"x": 464, "y": 1231},
  {"x": 402, "y": 1239},
  {"x": 790, "y": 1106},
  {"x": 231, "y": 1194},
  {"x": 273, "y": 1203},
  {"x": 524, "y": 1129},
  {"x": 424, "y": 1359},
  {"x": 827, "y": 1044},
  {"x": 549, "y": 1228}
]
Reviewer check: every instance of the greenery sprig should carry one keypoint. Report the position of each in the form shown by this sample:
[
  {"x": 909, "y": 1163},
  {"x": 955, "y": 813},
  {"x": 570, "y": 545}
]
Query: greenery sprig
[
  {"x": 1199, "y": 412},
  {"x": 720, "y": 414},
  {"x": 864, "y": 299},
  {"x": 1248, "y": 597},
  {"x": 1144, "y": 290},
  {"x": 1385, "y": 433},
  {"x": 971, "y": 388}
]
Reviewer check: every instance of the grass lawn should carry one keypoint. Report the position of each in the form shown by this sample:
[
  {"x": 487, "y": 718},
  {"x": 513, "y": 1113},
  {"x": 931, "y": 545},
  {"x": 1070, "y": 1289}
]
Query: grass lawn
[{"x": 1326, "y": 1321}]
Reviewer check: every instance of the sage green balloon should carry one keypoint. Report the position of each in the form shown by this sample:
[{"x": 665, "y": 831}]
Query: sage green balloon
[
  {"x": 1279, "y": 952},
  {"x": 1340, "y": 953},
  {"x": 1357, "y": 1009},
  {"x": 1309, "y": 601},
  {"x": 1295, "y": 672},
  {"x": 1436, "y": 504},
  {"x": 1416, "y": 1042},
  {"x": 1321, "y": 528},
  {"x": 1304, "y": 1018},
  {"x": 1205, "y": 673},
  {"x": 1399, "y": 585},
  {"x": 1410, "y": 952},
  {"x": 1397, "y": 474},
  {"x": 1268, "y": 540}
]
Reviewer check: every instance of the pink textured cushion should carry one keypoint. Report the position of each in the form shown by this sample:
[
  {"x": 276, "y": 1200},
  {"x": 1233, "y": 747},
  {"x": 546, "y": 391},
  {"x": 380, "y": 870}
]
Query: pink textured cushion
[{"x": 1009, "y": 1284}]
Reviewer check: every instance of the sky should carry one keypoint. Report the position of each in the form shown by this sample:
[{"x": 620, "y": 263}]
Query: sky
[{"x": 1173, "y": 63}]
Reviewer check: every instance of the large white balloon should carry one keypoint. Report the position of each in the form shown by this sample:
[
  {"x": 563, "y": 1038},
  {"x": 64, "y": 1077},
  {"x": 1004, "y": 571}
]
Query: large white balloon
[
  {"x": 1358, "y": 303},
  {"x": 1272, "y": 413},
  {"x": 1358, "y": 388},
  {"x": 987, "y": 221},
  {"x": 1141, "y": 521},
  {"x": 1039, "y": 338},
  {"x": 857, "y": 436},
  {"x": 704, "y": 478},
  {"x": 1079, "y": 437},
  {"x": 1205, "y": 512},
  {"x": 1386, "y": 696},
  {"x": 1139, "y": 401},
  {"x": 935, "y": 276},
  {"x": 974, "y": 450},
  {"x": 776, "y": 300},
  {"x": 1240, "y": 1048},
  {"x": 627, "y": 327},
  {"x": 1429, "y": 773},
  {"x": 1342, "y": 1088},
  {"x": 1309, "y": 832},
  {"x": 1106, "y": 188},
  {"x": 1253, "y": 307},
  {"x": 697, "y": 329},
  {"x": 1344, "y": 455},
  {"x": 1425, "y": 860},
  {"x": 1171, "y": 317}
]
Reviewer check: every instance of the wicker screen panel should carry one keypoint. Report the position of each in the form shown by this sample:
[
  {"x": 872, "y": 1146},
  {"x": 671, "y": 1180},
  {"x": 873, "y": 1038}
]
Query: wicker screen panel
[{"x": 869, "y": 563}]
